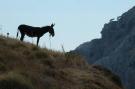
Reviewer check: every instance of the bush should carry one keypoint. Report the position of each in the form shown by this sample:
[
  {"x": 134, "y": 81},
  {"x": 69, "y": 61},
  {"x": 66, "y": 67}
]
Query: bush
[{"x": 14, "y": 81}]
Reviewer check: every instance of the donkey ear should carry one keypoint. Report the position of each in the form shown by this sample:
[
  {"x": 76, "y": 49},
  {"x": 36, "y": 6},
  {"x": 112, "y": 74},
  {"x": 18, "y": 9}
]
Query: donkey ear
[{"x": 52, "y": 25}]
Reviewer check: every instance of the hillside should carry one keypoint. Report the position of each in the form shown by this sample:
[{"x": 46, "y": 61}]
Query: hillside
[
  {"x": 25, "y": 66},
  {"x": 115, "y": 50}
]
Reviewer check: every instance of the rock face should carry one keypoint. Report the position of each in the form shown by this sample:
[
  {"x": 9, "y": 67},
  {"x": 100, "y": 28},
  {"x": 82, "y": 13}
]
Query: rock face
[{"x": 115, "y": 49}]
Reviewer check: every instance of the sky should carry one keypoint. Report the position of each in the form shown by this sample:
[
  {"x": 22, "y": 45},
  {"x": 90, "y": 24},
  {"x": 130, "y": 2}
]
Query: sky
[{"x": 76, "y": 21}]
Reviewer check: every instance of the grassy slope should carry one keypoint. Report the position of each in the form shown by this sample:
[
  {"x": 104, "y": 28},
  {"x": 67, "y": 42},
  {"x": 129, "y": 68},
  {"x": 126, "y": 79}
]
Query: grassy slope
[{"x": 25, "y": 66}]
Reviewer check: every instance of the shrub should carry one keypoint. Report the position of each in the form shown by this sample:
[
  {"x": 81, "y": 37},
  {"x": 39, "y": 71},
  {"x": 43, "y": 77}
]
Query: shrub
[{"x": 14, "y": 81}]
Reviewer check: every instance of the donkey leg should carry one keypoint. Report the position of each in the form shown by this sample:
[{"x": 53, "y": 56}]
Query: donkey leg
[
  {"x": 22, "y": 37},
  {"x": 38, "y": 40}
]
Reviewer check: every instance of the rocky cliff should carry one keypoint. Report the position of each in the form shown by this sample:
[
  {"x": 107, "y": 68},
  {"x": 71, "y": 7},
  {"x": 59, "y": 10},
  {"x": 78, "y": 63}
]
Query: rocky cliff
[{"x": 115, "y": 49}]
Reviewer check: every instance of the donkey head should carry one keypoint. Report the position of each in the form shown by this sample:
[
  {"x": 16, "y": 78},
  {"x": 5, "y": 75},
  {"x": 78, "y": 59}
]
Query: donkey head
[{"x": 51, "y": 30}]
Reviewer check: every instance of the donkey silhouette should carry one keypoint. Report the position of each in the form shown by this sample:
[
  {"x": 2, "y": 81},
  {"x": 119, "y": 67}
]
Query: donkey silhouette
[{"x": 34, "y": 31}]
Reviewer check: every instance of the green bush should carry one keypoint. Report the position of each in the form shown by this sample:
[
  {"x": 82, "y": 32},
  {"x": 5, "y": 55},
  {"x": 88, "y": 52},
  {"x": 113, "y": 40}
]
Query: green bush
[{"x": 14, "y": 81}]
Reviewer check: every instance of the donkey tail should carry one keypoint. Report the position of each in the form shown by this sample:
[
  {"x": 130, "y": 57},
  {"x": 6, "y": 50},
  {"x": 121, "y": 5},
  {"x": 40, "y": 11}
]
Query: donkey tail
[{"x": 17, "y": 33}]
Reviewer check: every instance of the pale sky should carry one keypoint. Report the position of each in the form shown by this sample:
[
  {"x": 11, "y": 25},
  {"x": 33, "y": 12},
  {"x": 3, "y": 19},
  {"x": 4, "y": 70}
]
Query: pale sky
[{"x": 77, "y": 21}]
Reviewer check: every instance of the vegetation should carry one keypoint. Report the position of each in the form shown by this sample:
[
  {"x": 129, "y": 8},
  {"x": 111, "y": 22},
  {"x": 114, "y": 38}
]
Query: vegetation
[{"x": 26, "y": 66}]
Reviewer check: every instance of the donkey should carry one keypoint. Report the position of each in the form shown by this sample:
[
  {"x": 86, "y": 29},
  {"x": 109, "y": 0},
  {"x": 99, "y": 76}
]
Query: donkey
[{"x": 34, "y": 31}]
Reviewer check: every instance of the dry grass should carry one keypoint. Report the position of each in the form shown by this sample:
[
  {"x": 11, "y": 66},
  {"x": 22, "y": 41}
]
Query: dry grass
[{"x": 31, "y": 67}]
